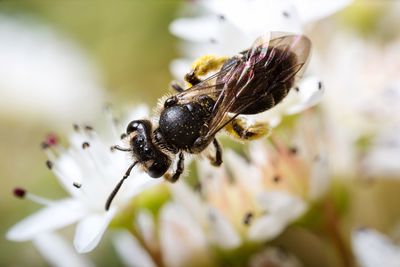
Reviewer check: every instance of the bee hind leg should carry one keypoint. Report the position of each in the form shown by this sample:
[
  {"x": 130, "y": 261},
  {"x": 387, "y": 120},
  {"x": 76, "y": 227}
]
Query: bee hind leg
[
  {"x": 242, "y": 129},
  {"x": 217, "y": 159},
  {"x": 202, "y": 66},
  {"x": 179, "y": 170}
]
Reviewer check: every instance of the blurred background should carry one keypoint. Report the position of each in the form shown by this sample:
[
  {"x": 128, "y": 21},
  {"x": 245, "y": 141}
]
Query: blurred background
[{"x": 62, "y": 61}]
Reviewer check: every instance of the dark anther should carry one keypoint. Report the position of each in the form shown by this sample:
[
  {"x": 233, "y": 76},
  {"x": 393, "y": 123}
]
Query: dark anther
[
  {"x": 276, "y": 178},
  {"x": 286, "y": 14},
  {"x": 297, "y": 89},
  {"x": 293, "y": 150},
  {"x": 49, "y": 164},
  {"x": 248, "y": 218},
  {"x": 319, "y": 85},
  {"x": 77, "y": 185},
  {"x": 213, "y": 40},
  {"x": 76, "y": 127},
  {"x": 88, "y": 128},
  {"x": 19, "y": 192},
  {"x": 221, "y": 17},
  {"x": 85, "y": 145}
]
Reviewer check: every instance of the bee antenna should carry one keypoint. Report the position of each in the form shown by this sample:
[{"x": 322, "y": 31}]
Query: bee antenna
[{"x": 118, "y": 186}]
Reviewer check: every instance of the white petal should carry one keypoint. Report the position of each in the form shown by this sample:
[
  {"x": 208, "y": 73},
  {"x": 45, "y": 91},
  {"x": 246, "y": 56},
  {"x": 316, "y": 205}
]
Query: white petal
[
  {"x": 372, "y": 249},
  {"x": 130, "y": 251},
  {"x": 181, "y": 238},
  {"x": 276, "y": 202},
  {"x": 200, "y": 29},
  {"x": 274, "y": 257},
  {"x": 59, "y": 253},
  {"x": 90, "y": 230},
  {"x": 221, "y": 231},
  {"x": 179, "y": 67},
  {"x": 57, "y": 215},
  {"x": 266, "y": 228},
  {"x": 147, "y": 228},
  {"x": 308, "y": 95},
  {"x": 310, "y": 10}
]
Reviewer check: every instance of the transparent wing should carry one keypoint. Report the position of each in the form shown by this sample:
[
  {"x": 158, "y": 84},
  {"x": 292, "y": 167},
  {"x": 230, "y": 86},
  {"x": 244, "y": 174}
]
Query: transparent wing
[{"x": 264, "y": 68}]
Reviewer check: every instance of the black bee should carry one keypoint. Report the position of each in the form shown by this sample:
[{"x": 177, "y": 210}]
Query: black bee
[{"x": 250, "y": 82}]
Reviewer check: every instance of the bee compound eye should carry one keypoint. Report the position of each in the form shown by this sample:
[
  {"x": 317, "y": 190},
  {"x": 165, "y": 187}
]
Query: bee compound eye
[
  {"x": 132, "y": 126},
  {"x": 170, "y": 101}
]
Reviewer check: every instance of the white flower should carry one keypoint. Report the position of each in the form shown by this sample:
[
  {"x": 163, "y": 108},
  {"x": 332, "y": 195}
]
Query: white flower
[
  {"x": 88, "y": 170},
  {"x": 226, "y": 27},
  {"x": 45, "y": 75},
  {"x": 372, "y": 248},
  {"x": 360, "y": 103},
  {"x": 274, "y": 257},
  {"x": 56, "y": 251}
]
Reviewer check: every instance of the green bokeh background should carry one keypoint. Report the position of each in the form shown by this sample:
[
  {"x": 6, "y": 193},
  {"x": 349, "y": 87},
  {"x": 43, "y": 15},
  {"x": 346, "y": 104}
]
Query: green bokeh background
[{"x": 131, "y": 45}]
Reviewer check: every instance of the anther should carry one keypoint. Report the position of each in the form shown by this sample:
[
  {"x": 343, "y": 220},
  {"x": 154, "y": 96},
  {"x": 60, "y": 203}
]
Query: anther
[
  {"x": 77, "y": 184},
  {"x": 88, "y": 128},
  {"x": 319, "y": 85},
  {"x": 286, "y": 14},
  {"x": 276, "y": 179},
  {"x": 19, "y": 192},
  {"x": 76, "y": 127},
  {"x": 293, "y": 150},
  {"x": 248, "y": 218},
  {"x": 221, "y": 17},
  {"x": 49, "y": 164},
  {"x": 85, "y": 145}
]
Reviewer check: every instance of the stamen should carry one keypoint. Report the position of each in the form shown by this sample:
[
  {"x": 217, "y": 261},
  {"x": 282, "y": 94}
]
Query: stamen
[
  {"x": 276, "y": 178},
  {"x": 85, "y": 145},
  {"x": 19, "y": 192},
  {"x": 221, "y": 17},
  {"x": 49, "y": 164},
  {"x": 319, "y": 85},
  {"x": 293, "y": 150},
  {"x": 22, "y": 193},
  {"x": 286, "y": 14},
  {"x": 88, "y": 128},
  {"x": 248, "y": 218},
  {"x": 76, "y": 127},
  {"x": 77, "y": 184}
]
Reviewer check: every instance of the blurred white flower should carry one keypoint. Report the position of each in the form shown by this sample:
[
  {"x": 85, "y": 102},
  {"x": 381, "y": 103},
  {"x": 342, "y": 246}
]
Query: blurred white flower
[
  {"x": 88, "y": 170},
  {"x": 242, "y": 202},
  {"x": 360, "y": 105},
  {"x": 59, "y": 253},
  {"x": 43, "y": 74},
  {"x": 226, "y": 27},
  {"x": 274, "y": 257},
  {"x": 372, "y": 248}
]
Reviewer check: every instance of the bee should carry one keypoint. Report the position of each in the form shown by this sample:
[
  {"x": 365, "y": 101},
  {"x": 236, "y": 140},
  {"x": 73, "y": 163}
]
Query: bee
[{"x": 220, "y": 91}]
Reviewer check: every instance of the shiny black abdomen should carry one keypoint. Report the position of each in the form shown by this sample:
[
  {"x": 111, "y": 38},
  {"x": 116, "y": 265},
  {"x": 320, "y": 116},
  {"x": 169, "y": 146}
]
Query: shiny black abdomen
[
  {"x": 268, "y": 81},
  {"x": 181, "y": 124}
]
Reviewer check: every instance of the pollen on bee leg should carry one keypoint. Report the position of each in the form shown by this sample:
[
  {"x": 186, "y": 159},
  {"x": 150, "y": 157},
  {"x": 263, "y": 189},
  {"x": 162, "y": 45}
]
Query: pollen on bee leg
[{"x": 22, "y": 193}]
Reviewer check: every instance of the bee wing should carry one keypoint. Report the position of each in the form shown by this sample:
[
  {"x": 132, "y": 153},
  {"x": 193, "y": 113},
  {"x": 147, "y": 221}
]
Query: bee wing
[
  {"x": 209, "y": 86},
  {"x": 235, "y": 92}
]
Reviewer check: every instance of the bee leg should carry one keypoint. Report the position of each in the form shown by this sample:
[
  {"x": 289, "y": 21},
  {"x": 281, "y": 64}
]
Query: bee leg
[
  {"x": 241, "y": 129},
  {"x": 179, "y": 170},
  {"x": 177, "y": 87},
  {"x": 217, "y": 160},
  {"x": 202, "y": 66}
]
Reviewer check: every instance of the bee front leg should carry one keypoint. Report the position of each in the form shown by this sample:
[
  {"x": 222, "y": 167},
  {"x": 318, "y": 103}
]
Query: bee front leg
[
  {"x": 241, "y": 128},
  {"x": 179, "y": 170},
  {"x": 202, "y": 66},
  {"x": 217, "y": 160}
]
